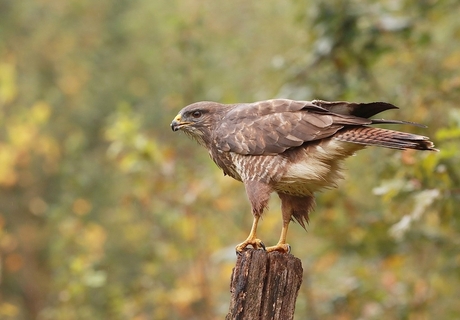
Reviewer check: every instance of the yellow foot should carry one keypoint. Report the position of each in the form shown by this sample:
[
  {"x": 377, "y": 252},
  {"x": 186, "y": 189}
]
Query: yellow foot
[
  {"x": 280, "y": 247},
  {"x": 255, "y": 243}
]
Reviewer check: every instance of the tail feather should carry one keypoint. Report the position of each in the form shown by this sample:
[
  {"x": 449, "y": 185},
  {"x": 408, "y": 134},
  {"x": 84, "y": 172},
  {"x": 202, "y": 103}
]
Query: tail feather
[
  {"x": 385, "y": 121},
  {"x": 384, "y": 138}
]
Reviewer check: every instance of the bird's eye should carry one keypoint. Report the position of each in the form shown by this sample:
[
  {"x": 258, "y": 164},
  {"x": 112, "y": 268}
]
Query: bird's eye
[{"x": 196, "y": 114}]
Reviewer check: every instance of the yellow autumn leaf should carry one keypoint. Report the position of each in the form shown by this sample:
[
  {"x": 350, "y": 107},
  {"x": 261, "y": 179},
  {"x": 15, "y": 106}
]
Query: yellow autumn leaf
[
  {"x": 40, "y": 112},
  {"x": 8, "y": 175},
  {"x": 8, "y": 86}
]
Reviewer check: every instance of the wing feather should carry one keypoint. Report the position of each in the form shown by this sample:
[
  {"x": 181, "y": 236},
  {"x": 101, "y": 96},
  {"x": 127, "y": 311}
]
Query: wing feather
[
  {"x": 363, "y": 110},
  {"x": 273, "y": 126}
]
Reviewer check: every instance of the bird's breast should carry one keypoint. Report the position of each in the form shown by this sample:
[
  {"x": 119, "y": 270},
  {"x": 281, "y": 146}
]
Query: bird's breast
[
  {"x": 263, "y": 168},
  {"x": 314, "y": 167}
]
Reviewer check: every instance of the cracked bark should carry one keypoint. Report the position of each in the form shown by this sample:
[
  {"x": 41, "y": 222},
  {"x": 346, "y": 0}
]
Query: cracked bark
[{"x": 264, "y": 286}]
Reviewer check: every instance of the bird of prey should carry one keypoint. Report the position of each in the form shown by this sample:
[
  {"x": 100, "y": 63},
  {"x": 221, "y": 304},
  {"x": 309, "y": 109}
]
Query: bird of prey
[{"x": 293, "y": 148}]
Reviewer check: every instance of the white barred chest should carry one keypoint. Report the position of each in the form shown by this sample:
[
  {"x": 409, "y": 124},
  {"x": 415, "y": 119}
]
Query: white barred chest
[{"x": 260, "y": 168}]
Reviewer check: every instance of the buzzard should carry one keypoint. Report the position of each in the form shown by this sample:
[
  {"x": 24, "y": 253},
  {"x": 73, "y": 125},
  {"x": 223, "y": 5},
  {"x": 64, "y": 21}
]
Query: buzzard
[{"x": 293, "y": 148}]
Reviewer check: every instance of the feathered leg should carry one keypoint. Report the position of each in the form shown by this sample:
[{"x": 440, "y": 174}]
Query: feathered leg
[{"x": 292, "y": 207}]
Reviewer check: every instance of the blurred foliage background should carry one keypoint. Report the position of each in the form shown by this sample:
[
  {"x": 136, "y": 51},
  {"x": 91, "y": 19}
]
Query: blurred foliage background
[{"x": 106, "y": 214}]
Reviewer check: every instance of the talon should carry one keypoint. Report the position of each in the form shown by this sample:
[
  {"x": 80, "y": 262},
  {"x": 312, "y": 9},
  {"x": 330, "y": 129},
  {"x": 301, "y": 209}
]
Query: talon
[
  {"x": 263, "y": 246},
  {"x": 280, "y": 247},
  {"x": 251, "y": 239},
  {"x": 255, "y": 243},
  {"x": 239, "y": 249}
]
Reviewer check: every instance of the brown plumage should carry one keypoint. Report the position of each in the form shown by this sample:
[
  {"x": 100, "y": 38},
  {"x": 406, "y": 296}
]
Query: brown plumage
[{"x": 293, "y": 148}]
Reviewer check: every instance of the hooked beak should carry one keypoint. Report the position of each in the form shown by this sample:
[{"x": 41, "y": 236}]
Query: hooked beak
[{"x": 176, "y": 124}]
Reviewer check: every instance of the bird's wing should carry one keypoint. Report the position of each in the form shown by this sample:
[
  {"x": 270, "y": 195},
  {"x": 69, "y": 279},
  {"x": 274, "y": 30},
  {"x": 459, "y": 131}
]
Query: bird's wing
[
  {"x": 362, "y": 110},
  {"x": 273, "y": 126}
]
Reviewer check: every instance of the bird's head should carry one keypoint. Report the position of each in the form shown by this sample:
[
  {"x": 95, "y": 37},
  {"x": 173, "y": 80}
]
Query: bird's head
[{"x": 197, "y": 120}]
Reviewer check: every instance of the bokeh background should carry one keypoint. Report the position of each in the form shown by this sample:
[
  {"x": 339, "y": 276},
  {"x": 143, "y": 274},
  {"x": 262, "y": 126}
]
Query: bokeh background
[{"x": 105, "y": 213}]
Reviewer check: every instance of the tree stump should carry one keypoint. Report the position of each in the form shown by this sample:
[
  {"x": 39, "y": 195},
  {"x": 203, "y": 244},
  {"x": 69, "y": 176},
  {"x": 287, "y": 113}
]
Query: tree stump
[{"x": 264, "y": 286}]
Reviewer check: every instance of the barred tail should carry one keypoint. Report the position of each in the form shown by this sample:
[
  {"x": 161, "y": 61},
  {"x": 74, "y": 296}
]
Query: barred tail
[{"x": 384, "y": 138}]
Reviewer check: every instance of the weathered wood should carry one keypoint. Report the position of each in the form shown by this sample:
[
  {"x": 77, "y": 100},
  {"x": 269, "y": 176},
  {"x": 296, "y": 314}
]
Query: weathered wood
[{"x": 264, "y": 286}]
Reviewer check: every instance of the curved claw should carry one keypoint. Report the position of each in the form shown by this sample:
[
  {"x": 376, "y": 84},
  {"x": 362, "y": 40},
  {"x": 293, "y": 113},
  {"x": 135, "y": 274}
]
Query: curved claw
[
  {"x": 263, "y": 246},
  {"x": 255, "y": 243},
  {"x": 280, "y": 247}
]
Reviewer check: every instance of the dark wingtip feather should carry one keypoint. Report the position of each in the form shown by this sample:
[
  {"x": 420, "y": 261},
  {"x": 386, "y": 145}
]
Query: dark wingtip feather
[
  {"x": 366, "y": 110},
  {"x": 362, "y": 110}
]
